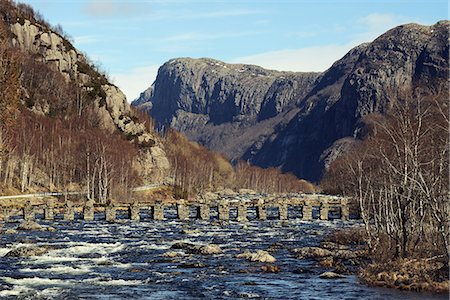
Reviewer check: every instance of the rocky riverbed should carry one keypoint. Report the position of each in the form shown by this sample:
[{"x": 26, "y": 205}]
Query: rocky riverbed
[{"x": 180, "y": 260}]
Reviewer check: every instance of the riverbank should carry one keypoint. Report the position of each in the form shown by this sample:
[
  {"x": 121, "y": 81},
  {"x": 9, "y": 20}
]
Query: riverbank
[{"x": 414, "y": 274}]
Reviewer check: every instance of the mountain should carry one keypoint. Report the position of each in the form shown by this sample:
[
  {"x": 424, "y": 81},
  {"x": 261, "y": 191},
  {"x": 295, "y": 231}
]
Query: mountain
[
  {"x": 298, "y": 122},
  {"x": 58, "y": 81},
  {"x": 225, "y": 107}
]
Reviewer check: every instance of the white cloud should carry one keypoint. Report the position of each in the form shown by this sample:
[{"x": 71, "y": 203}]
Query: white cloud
[
  {"x": 199, "y": 36},
  {"x": 136, "y": 81},
  {"x": 111, "y": 8},
  {"x": 320, "y": 58},
  {"x": 85, "y": 39},
  {"x": 311, "y": 59}
]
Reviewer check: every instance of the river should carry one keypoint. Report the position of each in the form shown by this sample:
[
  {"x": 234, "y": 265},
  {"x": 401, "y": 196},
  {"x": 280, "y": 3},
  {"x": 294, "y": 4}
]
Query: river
[{"x": 124, "y": 260}]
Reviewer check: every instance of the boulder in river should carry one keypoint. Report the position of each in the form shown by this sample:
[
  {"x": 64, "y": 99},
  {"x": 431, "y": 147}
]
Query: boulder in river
[
  {"x": 330, "y": 275},
  {"x": 26, "y": 251},
  {"x": 197, "y": 249},
  {"x": 312, "y": 252},
  {"x": 30, "y": 225},
  {"x": 258, "y": 256}
]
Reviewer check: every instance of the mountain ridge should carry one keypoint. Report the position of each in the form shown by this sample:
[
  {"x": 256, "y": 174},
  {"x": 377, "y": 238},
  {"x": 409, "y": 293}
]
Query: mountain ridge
[{"x": 303, "y": 124}]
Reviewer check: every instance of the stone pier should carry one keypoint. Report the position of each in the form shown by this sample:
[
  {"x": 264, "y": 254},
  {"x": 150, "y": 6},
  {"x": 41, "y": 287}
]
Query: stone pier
[
  {"x": 345, "y": 211},
  {"x": 183, "y": 211},
  {"x": 261, "y": 212},
  {"x": 110, "y": 213},
  {"x": 88, "y": 210},
  {"x": 203, "y": 212},
  {"x": 324, "y": 210},
  {"x": 28, "y": 212},
  {"x": 49, "y": 210},
  {"x": 158, "y": 211},
  {"x": 307, "y": 211},
  {"x": 133, "y": 212},
  {"x": 69, "y": 213},
  {"x": 242, "y": 212},
  {"x": 223, "y": 210},
  {"x": 283, "y": 211}
]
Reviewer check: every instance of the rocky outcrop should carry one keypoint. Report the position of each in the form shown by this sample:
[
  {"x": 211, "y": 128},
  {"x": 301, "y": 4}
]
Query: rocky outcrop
[
  {"x": 298, "y": 122},
  {"x": 364, "y": 81},
  {"x": 111, "y": 106},
  {"x": 223, "y": 106}
]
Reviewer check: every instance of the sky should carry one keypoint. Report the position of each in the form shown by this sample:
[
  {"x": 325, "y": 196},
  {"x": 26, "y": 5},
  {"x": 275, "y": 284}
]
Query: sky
[{"x": 131, "y": 39}]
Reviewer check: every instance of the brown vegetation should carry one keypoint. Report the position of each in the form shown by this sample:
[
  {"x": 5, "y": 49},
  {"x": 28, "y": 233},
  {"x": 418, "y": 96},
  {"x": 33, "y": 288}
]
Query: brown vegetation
[{"x": 399, "y": 177}]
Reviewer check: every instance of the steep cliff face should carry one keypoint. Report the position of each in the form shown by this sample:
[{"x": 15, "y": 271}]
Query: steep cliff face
[
  {"x": 223, "y": 106},
  {"x": 110, "y": 104},
  {"x": 366, "y": 80},
  {"x": 299, "y": 122}
]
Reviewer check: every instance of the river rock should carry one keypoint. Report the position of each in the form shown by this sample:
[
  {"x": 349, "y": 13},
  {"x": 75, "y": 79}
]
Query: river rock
[
  {"x": 30, "y": 225},
  {"x": 270, "y": 269},
  {"x": 312, "y": 252},
  {"x": 258, "y": 256},
  {"x": 172, "y": 254},
  {"x": 192, "y": 265},
  {"x": 330, "y": 275},
  {"x": 333, "y": 246},
  {"x": 198, "y": 249},
  {"x": 26, "y": 251}
]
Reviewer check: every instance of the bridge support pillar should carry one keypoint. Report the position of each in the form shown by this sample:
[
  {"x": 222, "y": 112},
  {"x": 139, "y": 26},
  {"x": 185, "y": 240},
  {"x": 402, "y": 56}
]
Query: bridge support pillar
[
  {"x": 261, "y": 212},
  {"x": 324, "y": 210},
  {"x": 224, "y": 211},
  {"x": 307, "y": 211},
  {"x": 49, "y": 210},
  {"x": 283, "y": 211},
  {"x": 345, "y": 210},
  {"x": 242, "y": 212},
  {"x": 110, "y": 213},
  {"x": 158, "y": 211},
  {"x": 183, "y": 211},
  {"x": 88, "y": 210},
  {"x": 28, "y": 212},
  {"x": 133, "y": 212},
  {"x": 69, "y": 214},
  {"x": 203, "y": 212}
]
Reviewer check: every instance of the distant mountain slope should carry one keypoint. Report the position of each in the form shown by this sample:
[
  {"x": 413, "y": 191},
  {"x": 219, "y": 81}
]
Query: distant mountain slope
[
  {"x": 223, "y": 106},
  {"x": 298, "y": 122},
  {"x": 366, "y": 80}
]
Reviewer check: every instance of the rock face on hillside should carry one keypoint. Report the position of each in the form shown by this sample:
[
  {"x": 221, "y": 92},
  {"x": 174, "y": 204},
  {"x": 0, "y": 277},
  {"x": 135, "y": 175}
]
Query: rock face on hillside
[
  {"x": 225, "y": 107},
  {"x": 111, "y": 105},
  {"x": 297, "y": 122},
  {"x": 366, "y": 80}
]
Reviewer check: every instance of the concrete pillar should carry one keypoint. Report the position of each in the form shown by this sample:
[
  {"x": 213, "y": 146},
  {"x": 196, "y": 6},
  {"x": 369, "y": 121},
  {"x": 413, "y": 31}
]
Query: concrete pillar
[
  {"x": 261, "y": 212},
  {"x": 49, "y": 210},
  {"x": 28, "y": 212},
  {"x": 69, "y": 214},
  {"x": 242, "y": 212},
  {"x": 158, "y": 211},
  {"x": 203, "y": 212},
  {"x": 283, "y": 211},
  {"x": 307, "y": 211},
  {"x": 133, "y": 212},
  {"x": 345, "y": 210},
  {"x": 224, "y": 210},
  {"x": 110, "y": 213},
  {"x": 324, "y": 209},
  {"x": 182, "y": 211},
  {"x": 88, "y": 210}
]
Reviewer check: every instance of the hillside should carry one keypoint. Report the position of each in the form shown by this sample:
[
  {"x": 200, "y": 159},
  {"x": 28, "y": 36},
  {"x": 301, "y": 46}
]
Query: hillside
[
  {"x": 225, "y": 107},
  {"x": 52, "y": 93},
  {"x": 299, "y": 122}
]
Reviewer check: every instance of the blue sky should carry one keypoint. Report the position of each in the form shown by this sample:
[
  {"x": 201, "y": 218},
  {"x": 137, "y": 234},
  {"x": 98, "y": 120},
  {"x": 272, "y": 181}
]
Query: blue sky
[{"x": 131, "y": 39}]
